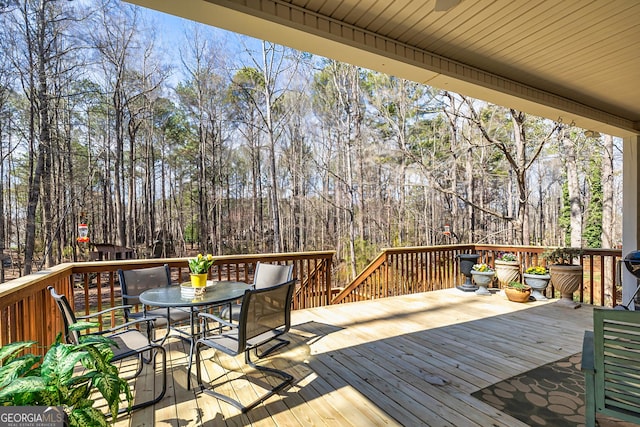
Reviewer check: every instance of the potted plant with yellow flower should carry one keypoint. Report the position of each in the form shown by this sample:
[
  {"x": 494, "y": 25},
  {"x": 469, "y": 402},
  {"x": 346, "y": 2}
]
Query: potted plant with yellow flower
[
  {"x": 199, "y": 267},
  {"x": 482, "y": 276},
  {"x": 537, "y": 277}
]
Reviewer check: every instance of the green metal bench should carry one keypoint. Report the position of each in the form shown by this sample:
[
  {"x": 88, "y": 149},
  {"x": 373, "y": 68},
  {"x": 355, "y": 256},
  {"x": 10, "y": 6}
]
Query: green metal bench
[{"x": 611, "y": 366}]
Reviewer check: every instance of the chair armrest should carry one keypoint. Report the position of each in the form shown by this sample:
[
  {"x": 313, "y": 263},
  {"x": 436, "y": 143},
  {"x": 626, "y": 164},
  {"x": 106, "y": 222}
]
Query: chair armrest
[
  {"x": 127, "y": 325},
  {"x": 107, "y": 310},
  {"x": 222, "y": 322},
  {"x": 131, "y": 297},
  {"x": 588, "y": 362}
]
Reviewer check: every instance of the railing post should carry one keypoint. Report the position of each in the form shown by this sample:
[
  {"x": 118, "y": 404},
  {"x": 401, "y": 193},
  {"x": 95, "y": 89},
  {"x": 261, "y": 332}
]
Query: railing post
[
  {"x": 387, "y": 263},
  {"x": 328, "y": 285}
]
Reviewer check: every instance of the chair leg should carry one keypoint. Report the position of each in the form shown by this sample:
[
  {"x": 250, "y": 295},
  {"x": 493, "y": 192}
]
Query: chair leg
[
  {"x": 157, "y": 349},
  {"x": 151, "y": 336},
  {"x": 140, "y": 365},
  {"x": 167, "y": 331},
  {"x": 230, "y": 311},
  {"x": 590, "y": 400},
  {"x": 198, "y": 371},
  {"x": 286, "y": 380},
  {"x": 160, "y": 341},
  {"x": 281, "y": 343}
]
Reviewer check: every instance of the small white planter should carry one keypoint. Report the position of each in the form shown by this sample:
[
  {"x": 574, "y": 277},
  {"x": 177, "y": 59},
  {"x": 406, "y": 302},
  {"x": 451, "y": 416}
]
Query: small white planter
[
  {"x": 538, "y": 283},
  {"x": 482, "y": 279}
]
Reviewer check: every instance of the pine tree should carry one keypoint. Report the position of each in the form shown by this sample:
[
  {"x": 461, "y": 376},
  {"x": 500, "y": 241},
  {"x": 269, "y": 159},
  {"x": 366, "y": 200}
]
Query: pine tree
[
  {"x": 593, "y": 226},
  {"x": 564, "y": 221}
]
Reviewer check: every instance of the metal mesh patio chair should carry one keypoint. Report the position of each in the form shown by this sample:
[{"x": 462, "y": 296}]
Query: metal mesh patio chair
[
  {"x": 130, "y": 342},
  {"x": 266, "y": 275},
  {"x": 265, "y": 314},
  {"x": 134, "y": 282}
]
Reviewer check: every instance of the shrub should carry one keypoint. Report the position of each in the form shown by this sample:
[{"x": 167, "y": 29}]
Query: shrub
[
  {"x": 561, "y": 255},
  {"x": 518, "y": 285},
  {"x": 30, "y": 380}
]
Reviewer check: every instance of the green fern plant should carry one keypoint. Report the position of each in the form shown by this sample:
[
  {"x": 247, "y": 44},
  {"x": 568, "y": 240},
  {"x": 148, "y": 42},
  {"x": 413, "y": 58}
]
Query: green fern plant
[
  {"x": 30, "y": 380},
  {"x": 518, "y": 286}
]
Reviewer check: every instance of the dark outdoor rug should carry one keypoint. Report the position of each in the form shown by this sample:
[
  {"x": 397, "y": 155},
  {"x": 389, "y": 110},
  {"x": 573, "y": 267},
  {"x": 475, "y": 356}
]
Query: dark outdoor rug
[{"x": 551, "y": 395}]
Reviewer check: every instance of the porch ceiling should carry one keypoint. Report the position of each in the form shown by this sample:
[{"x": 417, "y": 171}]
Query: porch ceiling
[{"x": 574, "y": 59}]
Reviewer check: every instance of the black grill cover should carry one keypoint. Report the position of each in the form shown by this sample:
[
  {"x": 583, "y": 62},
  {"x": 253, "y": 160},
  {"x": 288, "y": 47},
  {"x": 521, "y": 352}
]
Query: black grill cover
[{"x": 632, "y": 262}]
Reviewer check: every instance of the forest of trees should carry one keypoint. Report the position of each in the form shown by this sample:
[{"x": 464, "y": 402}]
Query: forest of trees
[{"x": 253, "y": 147}]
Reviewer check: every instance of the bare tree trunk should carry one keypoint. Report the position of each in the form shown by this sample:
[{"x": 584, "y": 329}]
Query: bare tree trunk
[
  {"x": 165, "y": 209},
  {"x": 3, "y": 212},
  {"x": 520, "y": 142},
  {"x": 115, "y": 37},
  {"x": 44, "y": 136},
  {"x": 351, "y": 208},
  {"x": 269, "y": 80},
  {"x": 149, "y": 187},
  {"x": 607, "y": 193},
  {"x": 571, "y": 165},
  {"x": 456, "y": 223},
  {"x": 469, "y": 182},
  {"x": 132, "y": 194},
  {"x": 256, "y": 191},
  {"x": 118, "y": 165}
]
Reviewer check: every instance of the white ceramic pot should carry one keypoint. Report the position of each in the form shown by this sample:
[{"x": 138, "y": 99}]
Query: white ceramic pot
[
  {"x": 482, "y": 279},
  {"x": 537, "y": 282}
]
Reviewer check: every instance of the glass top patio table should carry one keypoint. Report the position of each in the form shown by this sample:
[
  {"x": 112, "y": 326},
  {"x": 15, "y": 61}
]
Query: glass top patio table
[{"x": 217, "y": 293}]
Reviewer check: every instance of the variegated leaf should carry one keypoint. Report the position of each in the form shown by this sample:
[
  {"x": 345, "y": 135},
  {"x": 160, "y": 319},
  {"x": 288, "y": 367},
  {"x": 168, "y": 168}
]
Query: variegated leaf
[
  {"x": 22, "y": 385},
  {"x": 88, "y": 417},
  {"x": 10, "y": 350},
  {"x": 109, "y": 386},
  {"x": 17, "y": 368}
]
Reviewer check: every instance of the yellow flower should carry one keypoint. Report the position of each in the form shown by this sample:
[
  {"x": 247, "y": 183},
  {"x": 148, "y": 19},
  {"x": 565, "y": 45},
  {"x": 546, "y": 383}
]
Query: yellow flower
[
  {"x": 482, "y": 268},
  {"x": 536, "y": 270},
  {"x": 200, "y": 264}
]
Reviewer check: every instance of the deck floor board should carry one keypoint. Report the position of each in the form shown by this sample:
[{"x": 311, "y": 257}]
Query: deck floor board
[{"x": 409, "y": 360}]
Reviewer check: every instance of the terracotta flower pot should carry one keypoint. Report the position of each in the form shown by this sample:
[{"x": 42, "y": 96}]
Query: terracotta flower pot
[{"x": 517, "y": 295}]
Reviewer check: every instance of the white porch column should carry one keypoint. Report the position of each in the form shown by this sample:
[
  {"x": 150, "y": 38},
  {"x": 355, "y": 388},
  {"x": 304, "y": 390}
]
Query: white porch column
[{"x": 630, "y": 209}]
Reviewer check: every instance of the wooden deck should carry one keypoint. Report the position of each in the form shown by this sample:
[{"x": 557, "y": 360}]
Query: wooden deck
[{"x": 410, "y": 360}]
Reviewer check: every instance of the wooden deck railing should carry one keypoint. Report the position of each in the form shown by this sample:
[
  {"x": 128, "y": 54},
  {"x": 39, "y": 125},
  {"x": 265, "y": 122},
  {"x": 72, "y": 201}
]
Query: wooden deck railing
[
  {"x": 400, "y": 271},
  {"x": 27, "y": 311}
]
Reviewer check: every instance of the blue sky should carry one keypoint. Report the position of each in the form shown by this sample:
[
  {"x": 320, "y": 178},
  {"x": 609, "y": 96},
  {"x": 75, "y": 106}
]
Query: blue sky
[{"x": 171, "y": 37}]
